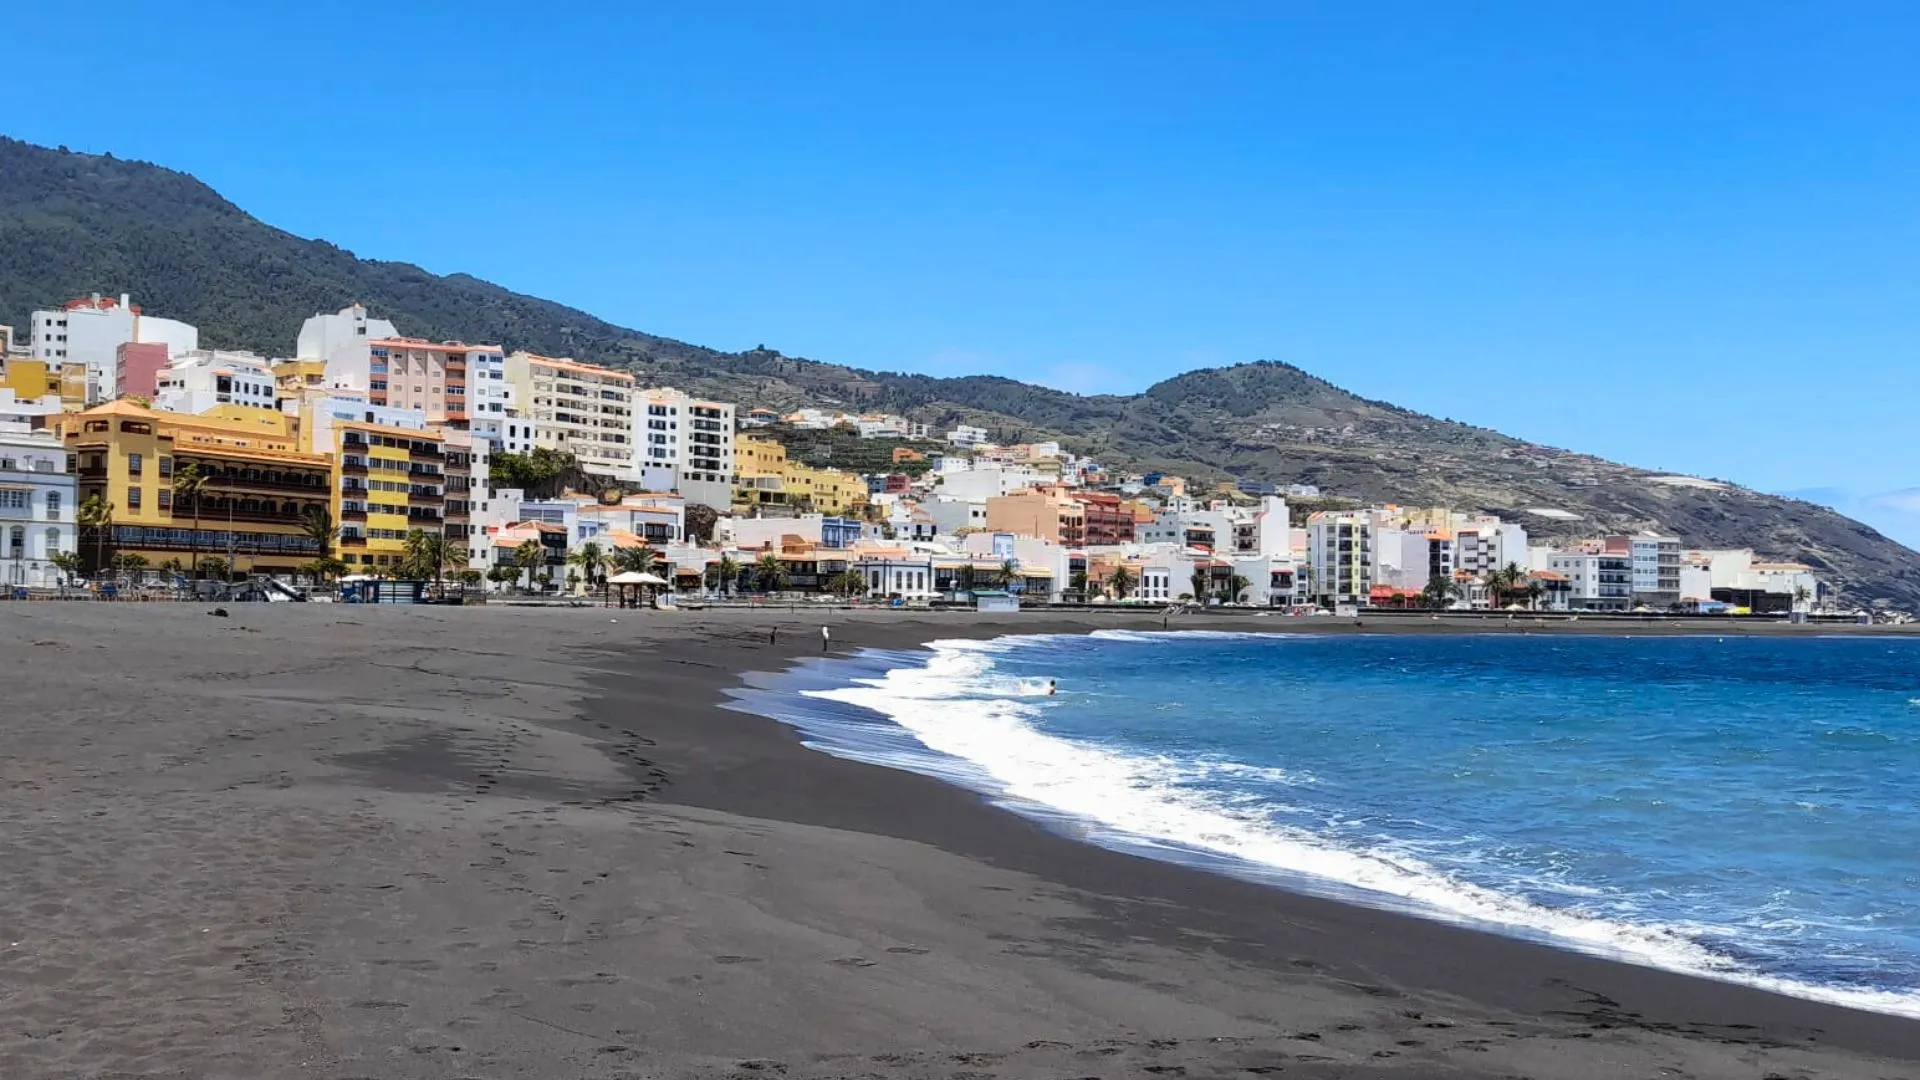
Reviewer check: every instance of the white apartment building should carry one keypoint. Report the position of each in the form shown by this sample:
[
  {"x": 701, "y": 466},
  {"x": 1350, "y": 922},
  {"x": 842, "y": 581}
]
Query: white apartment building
[
  {"x": 25, "y": 414},
  {"x": 1410, "y": 558},
  {"x": 1598, "y": 581},
  {"x": 967, "y": 436},
  {"x": 343, "y": 340},
  {"x": 581, "y": 409},
  {"x": 987, "y": 483},
  {"x": 1340, "y": 558},
  {"x": 206, "y": 378},
  {"x": 1656, "y": 570},
  {"x": 37, "y": 508},
  {"x": 1483, "y": 545},
  {"x": 90, "y": 331},
  {"x": 673, "y": 430}
]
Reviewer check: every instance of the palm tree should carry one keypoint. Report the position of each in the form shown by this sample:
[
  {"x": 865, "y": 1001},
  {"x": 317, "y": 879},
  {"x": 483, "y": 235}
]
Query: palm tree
[
  {"x": 1440, "y": 589},
  {"x": 318, "y": 527},
  {"x": 770, "y": 573},
  {"x": 1801, "y": 595},
  {"x": 848, "y": 583},
  {"x": 1077, "y": 581},
  {"x": 726, "y": 574},
  {"x": 1120, "y": 581},
  {"x": 1238, "y": 586},
  {"x": 1201, "y": 584},
  {"x": 589, "y": 557},
  {"x": 190, "y": 486},
  {"x": 1006, "y": 573},
  {"x": 528, "y": 556},
  {"x": 96, "y": 513}
]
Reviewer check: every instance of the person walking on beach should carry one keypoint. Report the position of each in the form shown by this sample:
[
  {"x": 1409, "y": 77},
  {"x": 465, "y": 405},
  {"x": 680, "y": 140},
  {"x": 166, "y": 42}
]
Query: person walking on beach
[{"x": 825, "y": 637}]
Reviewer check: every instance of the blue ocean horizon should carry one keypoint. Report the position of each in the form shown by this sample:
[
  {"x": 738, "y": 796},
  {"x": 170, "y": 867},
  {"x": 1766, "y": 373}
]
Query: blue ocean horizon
[{"x": 1737, "y": 808}]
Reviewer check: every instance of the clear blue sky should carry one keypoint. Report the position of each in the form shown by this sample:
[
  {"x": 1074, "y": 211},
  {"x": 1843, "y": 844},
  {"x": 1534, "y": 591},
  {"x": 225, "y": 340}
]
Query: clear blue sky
[{"x": 1683, "y": 236}]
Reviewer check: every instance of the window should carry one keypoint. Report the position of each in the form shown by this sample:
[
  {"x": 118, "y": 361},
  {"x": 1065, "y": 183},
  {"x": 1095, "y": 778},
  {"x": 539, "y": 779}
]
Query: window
[
  {"x": 133, "y": 464},
  {"x": 13, "y": 499},
  {"x": 53, "y": 506},
  {"x": 166, "y": 499},
  {"x": 133, "y": 498}
]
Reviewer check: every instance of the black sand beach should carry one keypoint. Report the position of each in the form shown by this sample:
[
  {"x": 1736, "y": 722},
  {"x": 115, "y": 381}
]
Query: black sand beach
[{"x": 344, "y": 842}]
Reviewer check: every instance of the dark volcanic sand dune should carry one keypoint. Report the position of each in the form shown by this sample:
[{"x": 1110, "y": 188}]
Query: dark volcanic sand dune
[{"x": 344, "y": 842}]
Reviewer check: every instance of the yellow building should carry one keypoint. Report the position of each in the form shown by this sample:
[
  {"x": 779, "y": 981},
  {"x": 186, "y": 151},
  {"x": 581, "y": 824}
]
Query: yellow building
[
  {"x": 252, "y": 514},
  {"x": 392, "y": 481},
  {"x": 768, "y": 478},
  {"x": 31, "y": 379},
  {"x": 292, "y": 376}
]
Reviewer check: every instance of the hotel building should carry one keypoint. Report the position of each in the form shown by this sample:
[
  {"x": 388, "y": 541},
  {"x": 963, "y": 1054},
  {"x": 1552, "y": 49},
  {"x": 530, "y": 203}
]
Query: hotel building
[
  {"x": 260, "y": 489},
  {"x": 581, "y": 409}
]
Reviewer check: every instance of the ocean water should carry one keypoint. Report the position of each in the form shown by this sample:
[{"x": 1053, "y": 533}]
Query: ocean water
[{"x": 1737, "y": 808}]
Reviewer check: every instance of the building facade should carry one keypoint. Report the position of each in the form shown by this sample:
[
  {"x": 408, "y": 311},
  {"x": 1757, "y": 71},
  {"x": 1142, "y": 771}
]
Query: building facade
[
  {"x": 204, "y": 379},
  {"x": 37, "y": 504},
  {"x": 392, "y": 481},
  {"x": 673, "y": 430},
  {"x": 449, "y": 382},
  {"x": 91, "y": 330},
  {"x": 1656, "y": 571},
  {"x": 252, "y": 514},
  {"x": 581, "y": 409},
  {"x": 1339, "y": 558}
]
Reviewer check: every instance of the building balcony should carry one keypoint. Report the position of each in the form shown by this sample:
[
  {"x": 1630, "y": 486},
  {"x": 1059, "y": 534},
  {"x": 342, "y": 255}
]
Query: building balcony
[
  {"x": 353, "y": 515},
  {"x": 315, "y": 484},
  {"x": 347, "y": 540},
  {"x": 425, "y": 453},
  {"x": 349, "y": 468}
]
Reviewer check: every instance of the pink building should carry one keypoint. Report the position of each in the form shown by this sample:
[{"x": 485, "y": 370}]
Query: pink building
[{"x": 137, "y": 366}]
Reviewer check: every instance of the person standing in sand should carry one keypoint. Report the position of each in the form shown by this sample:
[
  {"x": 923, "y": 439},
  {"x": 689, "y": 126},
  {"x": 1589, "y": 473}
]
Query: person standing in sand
[{"x": 825, "y": 637}]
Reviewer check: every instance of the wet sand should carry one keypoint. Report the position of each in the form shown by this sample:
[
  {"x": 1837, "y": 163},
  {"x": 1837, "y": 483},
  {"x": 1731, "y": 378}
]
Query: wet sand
[{"x": 338, "y": 842}]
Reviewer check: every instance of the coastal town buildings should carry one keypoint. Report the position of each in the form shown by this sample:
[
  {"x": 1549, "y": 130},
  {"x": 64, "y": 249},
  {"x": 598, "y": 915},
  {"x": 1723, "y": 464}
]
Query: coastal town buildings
[
  {"x": 90, "y": 331},
  {"x": 692, "y": 437},
  {"x": 392, "y": 481},
  {"x": 204, "y": 379},
  {"x": 582, "y": 409},
  {"x": 137, "y": 366},
  {"x": 251, "y": 515},
  {"x": 1339, "y": 558},
  {"x": 38, "y": 501}
]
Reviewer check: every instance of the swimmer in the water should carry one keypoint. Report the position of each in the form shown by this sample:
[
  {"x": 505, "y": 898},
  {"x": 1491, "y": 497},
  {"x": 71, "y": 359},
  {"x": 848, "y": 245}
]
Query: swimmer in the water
[{"x": 1051, "y": 689}]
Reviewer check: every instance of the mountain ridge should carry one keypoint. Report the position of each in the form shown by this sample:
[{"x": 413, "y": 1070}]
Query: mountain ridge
[{"x": 73, "y": 224}]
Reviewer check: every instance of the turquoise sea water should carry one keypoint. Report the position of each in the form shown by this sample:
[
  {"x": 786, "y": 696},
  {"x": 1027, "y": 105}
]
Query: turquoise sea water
[{"x": 1745, "y": 809}]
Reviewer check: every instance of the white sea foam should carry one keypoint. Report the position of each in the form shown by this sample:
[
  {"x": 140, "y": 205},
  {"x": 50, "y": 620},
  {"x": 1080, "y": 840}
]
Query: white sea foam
[{"x": 958, "y": 706}]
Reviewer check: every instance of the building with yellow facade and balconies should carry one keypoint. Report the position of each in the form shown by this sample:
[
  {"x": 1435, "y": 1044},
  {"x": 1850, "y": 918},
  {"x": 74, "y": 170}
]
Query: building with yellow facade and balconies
[
  {"x": 768, "y": 478},
  {"x": 252, "y": 513},
  {"x": 392, "y": 481}
]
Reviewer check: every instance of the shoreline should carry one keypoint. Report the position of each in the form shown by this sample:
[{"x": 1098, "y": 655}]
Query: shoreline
[
  {"x": 343, "y": 841},
  {"x": 817, "y": 723},
  {"x": 1513, "y": 972}
]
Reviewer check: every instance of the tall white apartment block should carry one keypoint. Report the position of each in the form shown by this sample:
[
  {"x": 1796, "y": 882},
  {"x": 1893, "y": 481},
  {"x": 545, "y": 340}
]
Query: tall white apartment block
[
  {"x": 90, "y": 330},
  {"x": 1340, "y": 558},
  {"x": 582, "y": 409},
  {"x": 672, "y": 429},
  {"x": 206, "y": 378}
]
